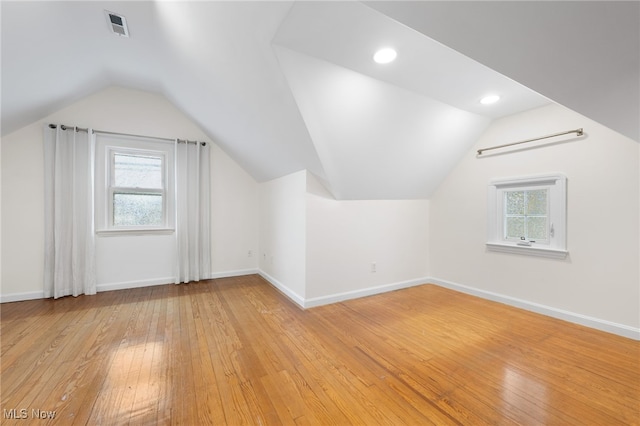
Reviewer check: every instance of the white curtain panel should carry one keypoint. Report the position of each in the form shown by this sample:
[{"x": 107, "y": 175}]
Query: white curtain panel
[
  {"x": 69, "y": 212},
  {"x": 193, "y": 194}
]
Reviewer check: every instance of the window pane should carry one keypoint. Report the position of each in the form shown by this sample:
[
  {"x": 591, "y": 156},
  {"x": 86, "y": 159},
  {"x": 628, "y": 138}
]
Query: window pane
[
  {"x": 514, "y": 227},
  {"x": 537, "y": 202},
  {"x": 135, "y": 171},
  {"x": 514, "y": 202},
  {"x": 537, "y": 228},
  {"x": 137, "y": 209}
]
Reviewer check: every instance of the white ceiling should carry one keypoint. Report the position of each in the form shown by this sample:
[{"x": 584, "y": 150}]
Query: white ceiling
[
  {"x": 584, "y": 55},
  {"x": 285, "y": 86}
]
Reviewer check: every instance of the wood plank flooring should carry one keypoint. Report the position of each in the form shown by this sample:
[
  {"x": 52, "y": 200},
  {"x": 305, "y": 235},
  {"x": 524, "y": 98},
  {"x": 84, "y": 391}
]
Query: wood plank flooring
[{"x": 235, "y": 351}]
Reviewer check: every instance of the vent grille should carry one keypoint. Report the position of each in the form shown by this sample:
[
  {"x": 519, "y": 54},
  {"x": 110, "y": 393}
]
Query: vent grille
[{"x": 117, "y": 24}]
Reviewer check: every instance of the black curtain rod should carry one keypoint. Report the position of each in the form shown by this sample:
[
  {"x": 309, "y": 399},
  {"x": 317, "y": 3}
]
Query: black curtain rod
[{"x": 80, "y": 129}]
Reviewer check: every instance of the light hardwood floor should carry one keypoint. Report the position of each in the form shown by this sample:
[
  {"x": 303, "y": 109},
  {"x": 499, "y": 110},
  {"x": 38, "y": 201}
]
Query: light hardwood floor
[{"x": 236, "y": 351}]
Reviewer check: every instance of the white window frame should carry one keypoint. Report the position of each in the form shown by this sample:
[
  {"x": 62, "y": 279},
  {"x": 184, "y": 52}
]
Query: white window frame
[
  {"x": 556, "y": 245},
  {"x": 106, "y": 149}
]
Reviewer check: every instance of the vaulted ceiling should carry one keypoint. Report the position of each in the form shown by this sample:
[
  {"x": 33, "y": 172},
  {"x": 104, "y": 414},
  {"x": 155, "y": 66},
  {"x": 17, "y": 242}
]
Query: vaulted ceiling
[{"x": 286, "y": 86}]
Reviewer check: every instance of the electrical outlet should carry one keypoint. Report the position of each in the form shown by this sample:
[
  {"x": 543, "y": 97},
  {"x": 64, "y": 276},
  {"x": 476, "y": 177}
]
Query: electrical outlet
[
  {"x": 250, "y": 254},
  {"x": 373, "y": 267}
]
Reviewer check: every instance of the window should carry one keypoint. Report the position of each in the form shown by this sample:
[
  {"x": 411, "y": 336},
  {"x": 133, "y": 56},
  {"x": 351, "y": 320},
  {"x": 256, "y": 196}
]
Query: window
[
  {"x": 134, "y": 185},
  {"x": 527, "y": 215},
  {"x": 136, "y": 189}
]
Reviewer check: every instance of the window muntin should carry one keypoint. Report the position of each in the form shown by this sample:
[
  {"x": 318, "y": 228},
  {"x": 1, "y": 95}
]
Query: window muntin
[{"x": 137, "y": 189}]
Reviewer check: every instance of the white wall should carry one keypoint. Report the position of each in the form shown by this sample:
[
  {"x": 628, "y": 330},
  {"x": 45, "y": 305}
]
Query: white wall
[
  {"x": 319, "y": 250},
  {"x": 0, "y": 214},
  {"x": 23, "y": 213},
  {"x": 600, "y": 280},
  {"x": 283, "y": 234},
  {"x": 122, "y": 261},
  {"x": 234, "y": 217},
  {"x": 344, "y": 238}
]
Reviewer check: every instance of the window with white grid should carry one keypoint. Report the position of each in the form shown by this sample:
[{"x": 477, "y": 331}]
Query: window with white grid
[
  {"x": 134, "y": 185},
  {"x": 528, "y": 215},
  {"x": 137, "y": 191}
]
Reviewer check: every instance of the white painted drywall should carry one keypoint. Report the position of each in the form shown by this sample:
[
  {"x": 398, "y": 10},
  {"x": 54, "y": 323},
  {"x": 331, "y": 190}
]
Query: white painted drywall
[
  {"x": 0, "y": 213},
  {"x": 121, "y": 261},
  {"x": 344, "y": 239},
  {"x": 23, "y": 213},
  {"x": 600, "y": 278},
  {"x": 372, "y": 137},
  {"x": 318, "y": 250},
  {"x": 234, "y": 217},
  {"x": 282, "y": 233}
]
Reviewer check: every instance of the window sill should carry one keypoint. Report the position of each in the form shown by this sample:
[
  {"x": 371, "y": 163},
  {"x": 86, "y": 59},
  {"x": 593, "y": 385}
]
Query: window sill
[
  {"x": 528, "y": 250},
  {"x": 131, "y": 232}
]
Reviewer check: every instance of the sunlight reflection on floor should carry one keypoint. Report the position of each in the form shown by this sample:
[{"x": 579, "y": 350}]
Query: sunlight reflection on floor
[
  {"x": 133, "y": 385},
  {"x": 525, "y": 394}
]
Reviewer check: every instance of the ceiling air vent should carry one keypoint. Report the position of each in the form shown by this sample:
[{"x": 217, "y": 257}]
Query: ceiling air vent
[{"x": 117, "y": 23}]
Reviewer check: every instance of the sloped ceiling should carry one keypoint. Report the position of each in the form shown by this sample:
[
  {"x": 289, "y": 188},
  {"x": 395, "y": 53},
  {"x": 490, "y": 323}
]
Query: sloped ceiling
[
  {"x": 585, "y": 55},
  {"x": 286, "y": 86},
  {"x": 394, "y": 130}
]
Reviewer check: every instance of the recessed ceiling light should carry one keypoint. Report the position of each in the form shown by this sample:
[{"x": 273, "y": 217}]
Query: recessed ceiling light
[
  {"x": 384, "y": 56},
  {"x": 490, "y": 99}
]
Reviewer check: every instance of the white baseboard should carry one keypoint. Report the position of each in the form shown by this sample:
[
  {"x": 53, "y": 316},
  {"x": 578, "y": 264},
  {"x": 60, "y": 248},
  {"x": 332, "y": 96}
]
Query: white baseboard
[
  {"x": 134, "y": 284},
  {"x": 169, "y": 280},
  {"x": 236, "y": 273},
  {"x": 339, "y": 297},
  {"x": 296, "y": 298},
  {"x": 587, "y": 321},
  {"x": 355, "y": 294},
  {"x": 596, "y": 323},
  {"x": 19, "y": 297}
]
